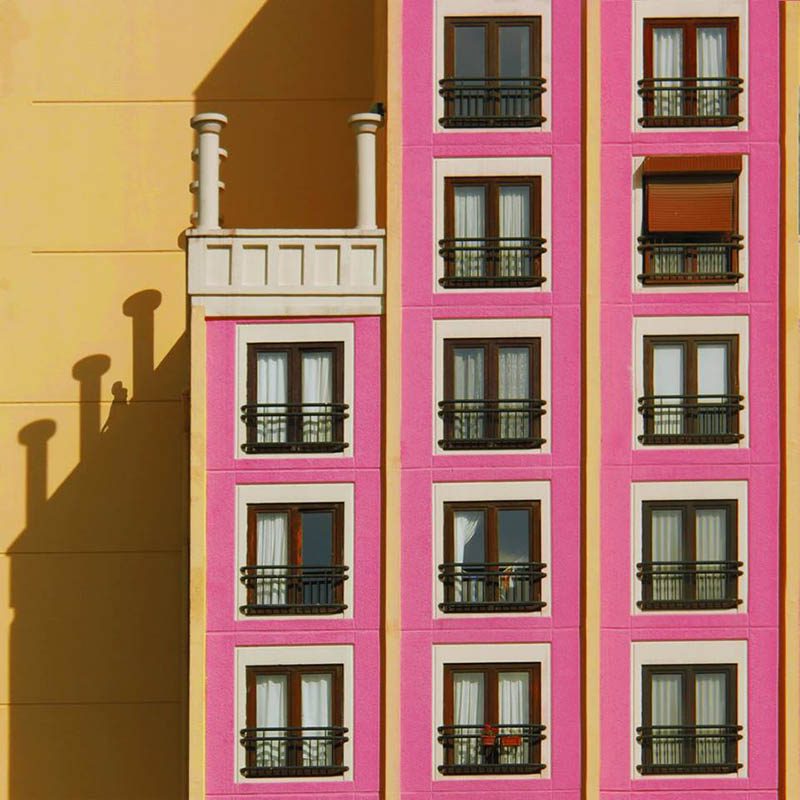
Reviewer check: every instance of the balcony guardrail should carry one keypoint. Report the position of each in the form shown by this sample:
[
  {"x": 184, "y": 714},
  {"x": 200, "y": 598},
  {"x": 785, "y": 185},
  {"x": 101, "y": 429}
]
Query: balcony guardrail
[
  {"x": 294, "y": 427},
  {"x": 492, "y": 262},
  {"x": 492, "y": 586},
  {"x": 292, "y": 589},
  {"x": 491, "y": 424},
  {"x": 491, "y": 749},
  {"x": 691, "y": 419},
  {"x": 293, "y": 751},
  {"x": 671, "y": 262},
  {"x": 690, "y": 102},
  {"x": 492, "y": 102},
  {"x": 669, "y": 585},
  {"x": 688, "y": 749}
]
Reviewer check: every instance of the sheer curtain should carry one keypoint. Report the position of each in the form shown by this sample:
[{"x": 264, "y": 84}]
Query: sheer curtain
[
  {"x": 711, "y": 709},
  {"x": 666, "y": 530},
  {"x": 515, "y": 225},
  {"x": 317, "y": 388},
  {"x": 315, "y": 705},
  {"x": 468, "y": 710},
  {"x": 513, "y": 366},
  {"x": 271, "y": 696},
  {"x": 711, "y": 544},
  {"x": 666, "y": 710},
  {"x": 712, "y": 46},
  {"x": 272, "y": 550},
  {"x": 712, "y": 386},
  {"x": 469, "y": 529},
  {"x": 667, "y": 388},
  {"x": 470, "y": 232},
  {"x": 513, "y": 689},
  {"x": 468, "y": 419},
  {"x": 667, "y": 69},
  {"x": 271, "y": 381}
]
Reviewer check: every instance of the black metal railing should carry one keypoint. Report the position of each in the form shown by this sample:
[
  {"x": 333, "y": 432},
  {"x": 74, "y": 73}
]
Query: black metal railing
[
  {"x": 688, "y": 749},
  {"x": 669, "y": 262},
  {"x": 691, "y": 419},
  {"x": 292, "y": 752},
  {"x": 690, "y": 102},
  {"x": 492, "y": 586},
  {"x": 294, "y": 427},
  {"x": 289, "y": 589},
  {"x": 491, "y": 424},
  {"x": 670, "y": 585},
  {"x": 492, "y": 102},
  {"x": 492, "y": 262},
  {"x": 491, "y": 749}
]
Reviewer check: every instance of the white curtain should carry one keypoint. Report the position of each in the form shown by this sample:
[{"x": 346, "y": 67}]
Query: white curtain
[
  {"x": 515, "y": 224},
  {"x": 272, "y": 550},
  {"x": 316, "y": 715},
  {"x": 271, "y": 383},
  {"x": 317, "y": 388},
  {"x": 667, "y": 383},
  {"x": 513, "y": 690},
  {"x": 712, "y": 45},
  {"x": 470, "y": 220},
  {"x": 711, "y": 540},
  {"x": 468, "y": 525},
  {"x": 666, "y": 710},
  {"x": 668, "y": 64},
  {"x": 468, "y": 710},
  {"x": 468, "y": 366},
  {"x": 666, "y": 529},
  {"x": 711, "y": 709},
  {"x": 513, "y": 365},
  {"x": 712, "y": 384},
  {"x": 271, "y": 697}
]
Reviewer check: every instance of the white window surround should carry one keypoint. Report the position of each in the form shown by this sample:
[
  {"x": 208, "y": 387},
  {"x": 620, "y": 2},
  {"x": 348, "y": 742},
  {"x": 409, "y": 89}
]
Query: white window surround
[
  {"x": 291, "y": 332},
  {"x": 488, "y": 168},
  {"x": 489, "y": 654},
  {"x": 688, "y": 652},
  {"x": 299, "y": 655},
  {"x": 522, "y": 328},
  {"x": 691, "y": 326},
  {"x": 291, "y": 493},
  {"x": 650, "y": 9},
  {"x": 688, "y": 490},
  {"x": 482, "y": 492},
  {"x": 637, "y": 216},
  {"x": 495, "y": 8}
]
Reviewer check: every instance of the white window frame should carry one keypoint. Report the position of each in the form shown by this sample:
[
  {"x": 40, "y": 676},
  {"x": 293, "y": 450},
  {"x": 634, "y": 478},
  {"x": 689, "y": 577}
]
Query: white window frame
[
  {"x": 688, "y": 653},
  {"x": 300, "y": 655},
  {"x": 540, "y": 166},
  {"x": 290, "y": 494},
  {"x": 488, "y": 654},
  {"x": 683, "y": 491},
  {"x": 290, "y": 333}
]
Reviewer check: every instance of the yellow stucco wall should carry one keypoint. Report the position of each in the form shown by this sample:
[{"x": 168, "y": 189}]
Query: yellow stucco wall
[{"x": 94, "y": 358}]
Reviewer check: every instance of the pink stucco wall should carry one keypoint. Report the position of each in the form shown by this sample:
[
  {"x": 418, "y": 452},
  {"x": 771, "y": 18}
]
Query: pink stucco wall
[
  {"x": 421, "y": 468},
  {"x": 758, "y": 464},
  {"x": 225, "y": 633}
]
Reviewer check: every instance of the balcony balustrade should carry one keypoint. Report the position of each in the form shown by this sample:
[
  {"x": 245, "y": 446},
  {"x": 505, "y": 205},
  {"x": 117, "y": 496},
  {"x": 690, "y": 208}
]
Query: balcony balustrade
[
  {"x": 691, "y": 419},
  {"x": 291, "y": 589},
  {"x": 491, "y": 424},
  {"x": 690, "y": 102},
  {"x": 673, "y": 262},
  {"x": 491, "y": 749},
  {"x": 676, "y": 585},
  {"x": 492, "y": 263},
  {"x": 498, "y": 586},
  {"x": 492, "y": 102},
  {"x": 294, "y": 427},
  {"x": 293, "y": 752},
  {"x": 688, "y": 749}
]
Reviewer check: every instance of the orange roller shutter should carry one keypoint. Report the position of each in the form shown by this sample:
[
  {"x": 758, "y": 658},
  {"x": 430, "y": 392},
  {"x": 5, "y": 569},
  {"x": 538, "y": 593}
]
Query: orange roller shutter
[{"x": 692, "y": 205}]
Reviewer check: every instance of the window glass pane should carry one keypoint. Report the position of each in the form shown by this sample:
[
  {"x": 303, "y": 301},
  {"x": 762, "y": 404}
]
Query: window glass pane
[
  {"x": 468, "y": 693},
  {"x": 712, "y": 47},
  {"x": 468, "y": 373},
  {"x": 711, "y": 698},
  {"x": 666, "y": 541},
  {"x": 470, "y": 211},
  {"x": 513, "y": 535},
  {"x": 271, "y": 712},
  {"x": 470, "y": 51},
  {"x": 667, "y": 369},
  {"x": 271, "y": 387},
  {"x": 515, "y": 57},
  {"x": 470, "y": 537},
  {"x": 515, "y": 212},
  {"x": 711, "y": 544},
  {"x": 513, "y": 698},
  {"x": 514, "y": 373},
  {"x": 272, "y": 550},
  {"x": 317, "y": 538},
  {"x": 667, "y": 52},
  {"x": 316, "y": 692},
  {"x": 317, "y": 388},
  {"x": 712, "y": 369},
  {"x": 665, "y": 697}
]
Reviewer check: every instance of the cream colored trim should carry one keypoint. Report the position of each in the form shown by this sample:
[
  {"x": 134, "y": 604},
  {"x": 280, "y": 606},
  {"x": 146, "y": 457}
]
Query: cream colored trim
[
  {"x": 494, "y": 167},
  {"x": 481, "y": 492},
  {"x": 689, "y": 490},
  {"x": 486, "y": 654},
  {"x": 290, "y": 656},
  {"x": 285, "y": 306},
  {"x": 689, "y": 652},
  {"x": 295, "y": 332}
]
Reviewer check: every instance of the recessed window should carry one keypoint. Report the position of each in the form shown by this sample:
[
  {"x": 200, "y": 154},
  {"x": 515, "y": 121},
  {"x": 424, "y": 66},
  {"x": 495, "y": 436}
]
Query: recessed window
[
  {"x": 492, "y": 232},
  {"x": 689, "y": 720},
  {"x": 492, "y": 556},
  {"x": 294, "y": 559},
  {"x": 691, "y": 389},
  {"x": 493, "y": 72},
  {"x": 492, "y": 393},
  {"x": 689, "y": 551},
  {"x": 492, "y": 719},
  {"x": 691, "y": 72},
  {"x": 295, "y": 398},
  {"x": 690, "y": 226},
  {"x": 294, "y": 721}
]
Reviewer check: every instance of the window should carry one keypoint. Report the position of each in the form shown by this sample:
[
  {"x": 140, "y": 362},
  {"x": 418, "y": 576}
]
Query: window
[
  {"x": 295, "y": 398},
  {"x": 492, "y": 232},
  {"x": 294, "y": 559},
  {"x": 492, "y": 719},
  {"x": 493, "y": 70},
  {"x": 689, "y": 555},
  {"x": 690, "y": 72},
  {"x": 492, "y": 394},
  {"x": 691, "y": 390},
  {"x": 294, "y": 721},
  {"x": 492, "y": 556},
  {"x": 690, "y": 222},
  {"x": 689, "y": 719}
]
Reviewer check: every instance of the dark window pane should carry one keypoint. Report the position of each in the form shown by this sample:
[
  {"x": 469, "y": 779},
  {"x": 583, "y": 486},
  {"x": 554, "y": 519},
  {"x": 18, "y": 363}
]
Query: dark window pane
[
  {"x": 513, "y": 535},
  {"x": 470, "y": 51},
  {"x": 470, "y": 536},
  {"x": 317, "y": 538},
  {"x": 515, "y": 57}
]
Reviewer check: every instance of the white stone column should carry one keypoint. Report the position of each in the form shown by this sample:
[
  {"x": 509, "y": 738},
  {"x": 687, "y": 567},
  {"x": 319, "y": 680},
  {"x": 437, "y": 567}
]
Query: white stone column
[
  {"x": 209, "y": 153},
  {"x": 365, "y": 126}
]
